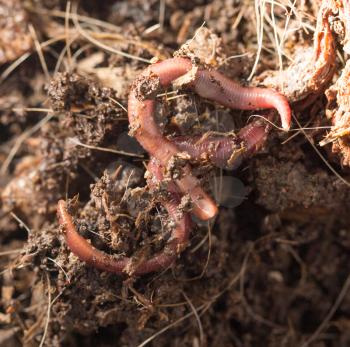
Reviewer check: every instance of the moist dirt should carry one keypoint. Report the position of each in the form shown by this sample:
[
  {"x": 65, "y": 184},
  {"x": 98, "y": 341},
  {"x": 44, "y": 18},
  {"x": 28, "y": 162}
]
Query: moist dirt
[{"x": 270, "y": 270}]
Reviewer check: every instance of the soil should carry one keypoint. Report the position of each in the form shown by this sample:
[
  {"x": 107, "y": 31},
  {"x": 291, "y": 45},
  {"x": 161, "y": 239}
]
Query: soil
[{"x": 270, "y": 270}]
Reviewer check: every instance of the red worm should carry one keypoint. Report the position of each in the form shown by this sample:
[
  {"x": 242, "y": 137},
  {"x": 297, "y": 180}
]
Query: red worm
[
  {"x": 225, "y": 151},
  {"x": 209, "y": 84},
  {"x": 217, "y": 87},
  {"x": 124, "y": 265}
]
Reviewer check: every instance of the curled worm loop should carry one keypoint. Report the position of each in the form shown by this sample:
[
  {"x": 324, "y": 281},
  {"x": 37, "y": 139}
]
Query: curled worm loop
[
  {"x": 103, "y": 261},
  {"x": 208, "y": 84}
]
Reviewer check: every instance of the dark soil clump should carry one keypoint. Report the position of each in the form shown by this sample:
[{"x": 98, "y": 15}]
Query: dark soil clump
[{"x": 270, "y": 270}]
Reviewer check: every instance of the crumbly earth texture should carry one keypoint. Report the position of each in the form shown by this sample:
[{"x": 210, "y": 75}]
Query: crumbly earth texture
[{"x": 271, "y": 271}]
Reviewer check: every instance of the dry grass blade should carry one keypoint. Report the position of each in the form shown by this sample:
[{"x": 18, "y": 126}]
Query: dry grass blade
[
  {"x": 60, "y": 267},
  {"x": 86, "y": 19},
  {"x": 20, "y": 222},
  {"x": 347, "y": 183},
  {"x": 48, "y": 311},
  {"x": 266, "y": 120},
  {"x": 195, "y": 313},
  {"x": 6, "y": 73},
  {"x": 113, "y": 34},
  {"x": 49, "y": 305},
  {"x": 103, "y": 149},
  {"x": 236, "y": 56},
  {"x": 330, "y": 314},
  {"x": 12, "y": 251},
  {"x": 277, "y": 42},
  {"x": 161, "y": 331},
  {"x": 66, "y": 29},
  {"x": 208, "y": 237},
  {"x": 161, "y": 13},
  {"x": 99, "y": 44},
  {"x": 60, "y": 59},
  {"x": 119, "y": 104},
  {"x": 40, "y": 52},
  {"x": 32, "y": 109},
  {"x": 285, "y": 31},
  {"x": 334, "y": 135},
  {"x": 80, "y": 51},
  {"x": 260, "y": 14}
]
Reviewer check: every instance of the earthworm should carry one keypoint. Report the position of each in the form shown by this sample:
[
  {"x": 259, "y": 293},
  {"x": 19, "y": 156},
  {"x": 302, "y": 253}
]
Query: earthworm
[
  {"x": 209, "y": 84},
  {"x": 103, "y": 261},
  {"x": 224, "y": 150},
  {"x": 217, "y": 87}
]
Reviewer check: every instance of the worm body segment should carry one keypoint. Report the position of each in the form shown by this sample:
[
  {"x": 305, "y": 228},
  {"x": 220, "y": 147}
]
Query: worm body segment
[
  {"x": 225, "y": 151},
  {"x": 215, "y": 86},
  {"x": 100, "y": 260}
]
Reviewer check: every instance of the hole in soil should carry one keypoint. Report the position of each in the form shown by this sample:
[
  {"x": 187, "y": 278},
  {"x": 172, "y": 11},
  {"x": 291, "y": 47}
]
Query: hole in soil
[{"x": 249, "y": 220}]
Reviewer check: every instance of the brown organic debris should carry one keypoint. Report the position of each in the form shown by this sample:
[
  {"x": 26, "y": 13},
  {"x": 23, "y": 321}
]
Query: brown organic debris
[
  {"x": 15, "y": 38},
  {"x": 312, "y": 68},
  {"x": 339, "y": 113}
]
